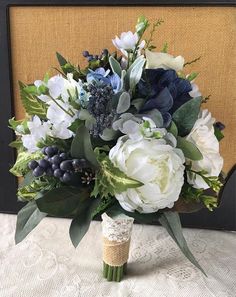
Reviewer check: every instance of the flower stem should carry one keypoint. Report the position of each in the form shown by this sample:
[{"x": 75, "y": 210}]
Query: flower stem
[
  {"x": 62, "y": 108},
  {"x": 114, "y": 273}
]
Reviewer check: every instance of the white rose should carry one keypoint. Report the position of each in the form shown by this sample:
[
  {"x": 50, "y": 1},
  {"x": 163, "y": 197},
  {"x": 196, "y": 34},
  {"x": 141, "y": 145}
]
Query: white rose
[
  {"x": 202, "y": 135},
  {"x": 157, "y": 165},
  {"x": 163, "y": 60}
]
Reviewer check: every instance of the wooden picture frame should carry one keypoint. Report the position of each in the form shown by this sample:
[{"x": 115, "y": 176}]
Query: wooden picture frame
[{"x": 222, "y": 218}]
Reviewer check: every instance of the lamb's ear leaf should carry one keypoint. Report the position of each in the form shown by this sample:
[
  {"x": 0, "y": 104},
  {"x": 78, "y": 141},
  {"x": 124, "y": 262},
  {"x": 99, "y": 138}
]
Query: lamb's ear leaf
[
  {"x": 115, "y": 66},
  {"x": 171, "y": 222},
  {"x": 27, "y": 219}
]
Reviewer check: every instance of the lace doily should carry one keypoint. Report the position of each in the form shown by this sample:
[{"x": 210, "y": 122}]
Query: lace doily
[{"x": 118, "y": 229}]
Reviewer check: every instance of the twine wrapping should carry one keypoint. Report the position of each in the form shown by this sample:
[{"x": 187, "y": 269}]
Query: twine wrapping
[{"x": 115, "y": 253}]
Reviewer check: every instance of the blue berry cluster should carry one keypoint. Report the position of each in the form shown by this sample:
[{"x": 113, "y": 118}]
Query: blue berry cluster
[
  {"x": 58, "y": 164},
  {"x": 100, "y": 106},
  {"x": 91, "y": 57}
]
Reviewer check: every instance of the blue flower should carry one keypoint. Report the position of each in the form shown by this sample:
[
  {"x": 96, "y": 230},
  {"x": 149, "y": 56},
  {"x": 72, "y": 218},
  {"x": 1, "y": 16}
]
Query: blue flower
[
  {"x": 164, "y": 91},
  {"x": 101, "y": 75}
]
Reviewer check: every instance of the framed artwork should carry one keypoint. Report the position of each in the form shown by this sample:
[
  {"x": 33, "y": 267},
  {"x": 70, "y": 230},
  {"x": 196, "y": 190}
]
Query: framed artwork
[{"x": 32, "y": 31}]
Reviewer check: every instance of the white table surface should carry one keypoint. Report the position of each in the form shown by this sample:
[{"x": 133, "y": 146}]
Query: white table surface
[{"x": 46, "y": 264}]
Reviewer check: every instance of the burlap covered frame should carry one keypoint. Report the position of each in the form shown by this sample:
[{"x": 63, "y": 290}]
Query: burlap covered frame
[{"x": 192, "y": 31}]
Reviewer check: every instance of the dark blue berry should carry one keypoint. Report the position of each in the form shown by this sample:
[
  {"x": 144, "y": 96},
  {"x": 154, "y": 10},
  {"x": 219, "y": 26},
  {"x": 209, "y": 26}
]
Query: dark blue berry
[
  {"x": 66, "y": 177},
  {"x": 55, "y": 149},
  {"x": 58, "y": 173},
  {"x": 44, "y": 163},
  {"x": 49, "y": 151},
  {"x": 56, "y": 159},
  {"x": 33, "y": 164},
  {"x": 220, "y": 126},
  {"x": 90, "y": 58},
  {"x": 43, "y": 150},
  {"x": 38, "y": 171},
  {"x": 55, "y": 166},
  {"x": 79, "y": 163},
  {"x": 49, "y": 171},
  {"x": 85, "y": 53},
  {"x": 66, "y": 165},
  {"x": 63, "y": 156}
]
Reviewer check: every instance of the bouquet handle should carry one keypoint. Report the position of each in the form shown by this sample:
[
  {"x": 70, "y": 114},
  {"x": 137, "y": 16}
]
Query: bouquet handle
[{"x": 116, "y": 244}]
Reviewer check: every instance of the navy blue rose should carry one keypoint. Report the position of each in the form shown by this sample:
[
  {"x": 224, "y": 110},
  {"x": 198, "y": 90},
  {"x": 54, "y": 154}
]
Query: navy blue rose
[{"x": 164, "y": 91}]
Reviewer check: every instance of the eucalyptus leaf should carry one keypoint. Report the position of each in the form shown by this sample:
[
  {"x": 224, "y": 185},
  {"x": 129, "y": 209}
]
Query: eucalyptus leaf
[
  {"x": 115, "y": 66},
  {"x": 156, "y": 116},
  {"x": 171, "y": 222},
  {"x": 123, "y": 103},
  {"x": 189, "y": 149},
  {"x": 61, "y": 201},
  {"x": 81, "y": 146},
  {"x": 186, "y": 116},
  {"x": 80, "y": 224},
  {"x": 27, "y": 219}
]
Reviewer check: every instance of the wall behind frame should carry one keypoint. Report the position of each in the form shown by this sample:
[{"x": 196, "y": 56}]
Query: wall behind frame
[{"x": 210, "y": 32}]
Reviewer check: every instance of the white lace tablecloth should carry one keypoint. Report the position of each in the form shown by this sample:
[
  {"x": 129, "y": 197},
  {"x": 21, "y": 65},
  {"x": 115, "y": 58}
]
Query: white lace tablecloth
[{"x": 47, "y": 265}]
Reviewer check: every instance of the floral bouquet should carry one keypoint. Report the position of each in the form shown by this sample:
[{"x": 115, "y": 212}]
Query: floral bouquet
[{"x": 125, "y": 138}]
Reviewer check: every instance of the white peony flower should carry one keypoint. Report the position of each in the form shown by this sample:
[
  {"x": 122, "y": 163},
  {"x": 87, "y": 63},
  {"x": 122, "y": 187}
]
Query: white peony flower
[
  {"x": 157, "y": 165},
  {"x": 202, "y": 135},
  {"x": 38, "y": 131},
  {"x": 163, "y": 60}
]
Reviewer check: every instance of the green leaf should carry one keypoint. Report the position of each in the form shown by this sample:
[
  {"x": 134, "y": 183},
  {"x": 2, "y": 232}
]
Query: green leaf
[
  {"x": 80, "y": 225},
  {"x": 27, "y": 219},
  {"x": 123, "y": 103},
  {"x": 192, "y": 76},
  {"x": 33, "y": 106},
  {"x": 173, "y": 129},
  {"x": 81, "y": 146},
  {"x": 61, "y": 60},
  {"x": 109, "y": 134},
  {"x": 189, "y": 149},
  {"x": 75, "y": 125},
  {"x": 115, "y": 66},
  {"x": 19, "y": 125},
  {"x": 171, "y": 222},
  {"x": 16, "y": 144},
  {"x": 62, "y": 144},
  {"x": 186, "y": 116},
  {"x": 21, "y": 165},
  {"x": 29, "y": 189},
  {"x": 165, "y": 48},
  {"x": 218, "y": 134},
  {"x": 138, "y": 103},
  {"x": 61, "y": 201},
  {"x": 110, "y": 180}
]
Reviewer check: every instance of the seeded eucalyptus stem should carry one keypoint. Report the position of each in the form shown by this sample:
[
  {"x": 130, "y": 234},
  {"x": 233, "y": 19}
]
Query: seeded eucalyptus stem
[{"x": 114, "y": 273}]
